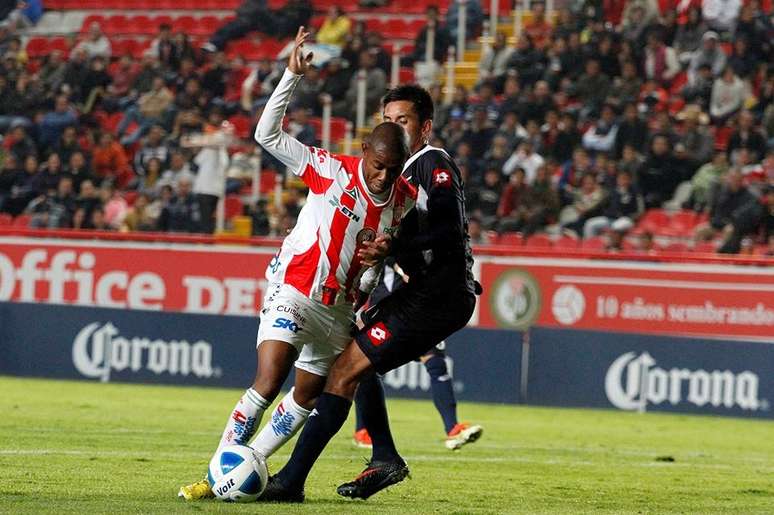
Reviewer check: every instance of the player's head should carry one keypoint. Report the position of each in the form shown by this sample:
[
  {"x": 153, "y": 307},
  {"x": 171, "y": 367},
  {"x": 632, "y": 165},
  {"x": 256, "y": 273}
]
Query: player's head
[
  {"x": 385, "y": 151},
  {"x": 411, "y": 107}
]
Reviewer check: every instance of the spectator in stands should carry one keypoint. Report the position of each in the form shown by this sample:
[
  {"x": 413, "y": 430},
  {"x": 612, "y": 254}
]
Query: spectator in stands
[
  {"x": 474, "y": 16},
  {"x": 307, "y": 92},
  {"x": 601, "y": 135},
  {"x": 636, "y": 22},
  {"x": 78, "y": 169},
  {"x": 528, "y": 62},
  {"x": 494, "y": 60},
  {"x": 22, "y": 187},
  {"x": 18, "y": 142},
  {"x": 695, "y": 140},
  {"x": 152, "y": 147},
  {"x": 742, "y": 61},
  {"x": 588, "y": 202},
  {"x": 140, "y": 217},
  {"x": 658, "y": 176},
  {"x": 376, "y": 85},
  {"x": 95, "y": 85},
  {"x": 567, "y": 139},
  {"x": 109, "y": 159},
  {"x": 592, "y": 87},
  {"x": 97, "y": 220},
  {"x": 480, "y": 131},
  {"x": 484, "y": 201},
  {"x": 52, "y": 73},
  {"x": 689, "y": 35},
  {"x": 149, "y": 110},
  {"x": 525, "y": 158},
  {"x": 9, "y": 171},
  {"x": 150, "y": 69},
  {"x": 539, "y": 28},
  {"x": 539, "y": 205},
  {"x": 163, "y": 47},
  {"x": 632, "y": 130},
  {"x": 706, "y": 181},
  {"x": 178, "y": 167},
  {"x": 661, "y": 62},
  {"x": 624, "y": 206},
  {"x": 539, "y": 103},
  {"x": 700, "y": 90},
  {"x": 710, "y": 54},
  {"x": 570, "y": 177},
  {"x": 67, "y": 144},
  {"x": 766, "y": 228},
  {"x": 250, "y": 15},
  {"x": 95, "y": 44},
  {"x": 755, "y": 27},
  {"x": 499, "y": 152},
  {"x": 441, "y": 41},
  {"x": 114, "y": 206},
  {"x": 152, "y": 172},
  {"x": 47, "y": 178},
  {"x": 733, "y": 213},
  {"x": 54, "y": 210},
  {"x": 747, "y": 136},
  {"x": 728, "y": 96},
  {"x": 721, "y": 15},
  {"x": 335, "y": 28},
  {"x": 54, "y": 122}
]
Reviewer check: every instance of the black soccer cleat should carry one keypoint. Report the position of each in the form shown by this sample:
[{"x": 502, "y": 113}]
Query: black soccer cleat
[
  {"x": 377, "y": 476},
  {"x": 275, "y": 491}
]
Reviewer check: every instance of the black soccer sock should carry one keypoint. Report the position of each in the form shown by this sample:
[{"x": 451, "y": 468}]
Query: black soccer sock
[
  {"x": 360, "y": 401},
  {"x": 443, "y": 391},
  {"x": 370, "y": 396},
  {"x": 325, "y": 420}
]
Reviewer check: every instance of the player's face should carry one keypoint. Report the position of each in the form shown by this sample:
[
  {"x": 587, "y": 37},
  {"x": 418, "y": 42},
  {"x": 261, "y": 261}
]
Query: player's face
[
  {"x": 380, "y": 168},
  {"x": 403, "y": 113}
]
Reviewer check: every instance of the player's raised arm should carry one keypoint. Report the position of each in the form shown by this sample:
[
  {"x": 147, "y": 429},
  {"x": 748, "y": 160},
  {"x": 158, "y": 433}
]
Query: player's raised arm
[{"x": 269, "y": 133}]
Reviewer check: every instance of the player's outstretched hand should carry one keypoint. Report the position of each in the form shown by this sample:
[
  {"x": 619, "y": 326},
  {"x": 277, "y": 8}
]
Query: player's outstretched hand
[
  {"x": 298, "y": 63},
  {"x": 372, "y": 252}
]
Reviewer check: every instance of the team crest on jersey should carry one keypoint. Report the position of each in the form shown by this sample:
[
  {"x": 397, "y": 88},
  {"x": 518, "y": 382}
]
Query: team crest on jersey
[
  {"x": 365, "y": 235},
  {"x": 352, "y": 192},
  {"x": 442, "y": 178}
]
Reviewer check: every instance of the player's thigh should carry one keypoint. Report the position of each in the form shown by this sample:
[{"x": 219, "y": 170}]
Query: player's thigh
[
  {"x": 331, "y": 333},
  {"x": 345, "y": 374},
  {"x": 393, "y": 336}
]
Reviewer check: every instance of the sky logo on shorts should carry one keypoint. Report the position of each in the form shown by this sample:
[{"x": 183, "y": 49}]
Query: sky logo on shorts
[
  {"x": 282, "y": 421},
  {"x": 378, "y": 334},
  {"x": 284, "y": 323}
]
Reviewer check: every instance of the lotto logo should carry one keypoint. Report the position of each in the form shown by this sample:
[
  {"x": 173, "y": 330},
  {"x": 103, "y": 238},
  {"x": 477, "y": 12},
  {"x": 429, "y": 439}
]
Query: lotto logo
[
  {"x": 378, "y": 334},
  {"x": 442, "y": 178},
  {"x": 284, "y": 323}
]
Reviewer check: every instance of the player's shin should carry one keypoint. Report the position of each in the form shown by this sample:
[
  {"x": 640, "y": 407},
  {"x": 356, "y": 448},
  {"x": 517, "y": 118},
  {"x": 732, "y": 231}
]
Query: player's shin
[
  {"x": 244, "y": 419},
  {"x": 370, "y": 398},
  {"x": 286, "y": 420}
]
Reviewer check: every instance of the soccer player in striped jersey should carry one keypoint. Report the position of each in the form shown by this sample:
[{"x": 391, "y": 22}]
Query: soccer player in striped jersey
[
  {"x": 432, "y": 252},
  {"x": 313, "y": 280}
]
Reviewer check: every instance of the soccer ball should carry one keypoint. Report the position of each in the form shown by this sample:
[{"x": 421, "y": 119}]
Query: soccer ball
[{"x": 237, "y": 474}]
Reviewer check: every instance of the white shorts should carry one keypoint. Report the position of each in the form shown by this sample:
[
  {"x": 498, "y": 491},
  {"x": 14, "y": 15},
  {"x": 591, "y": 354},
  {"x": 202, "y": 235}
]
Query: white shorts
[{"x": 318, "y": 332}]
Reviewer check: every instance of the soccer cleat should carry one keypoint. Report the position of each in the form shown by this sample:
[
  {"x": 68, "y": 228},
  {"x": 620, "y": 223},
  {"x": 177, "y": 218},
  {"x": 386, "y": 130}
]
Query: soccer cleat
[
  {"x": 362, "y": 439},
  {"x": 196, "y": 491},
  {"x": 377, "y": 476},
  {"x": 462, "y": 434},
  {"x": 277, "y": 492}
]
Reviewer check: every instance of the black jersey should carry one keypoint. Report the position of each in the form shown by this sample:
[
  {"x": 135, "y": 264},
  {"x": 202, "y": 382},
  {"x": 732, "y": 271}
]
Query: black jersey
[{"x": 433, "y": 242}]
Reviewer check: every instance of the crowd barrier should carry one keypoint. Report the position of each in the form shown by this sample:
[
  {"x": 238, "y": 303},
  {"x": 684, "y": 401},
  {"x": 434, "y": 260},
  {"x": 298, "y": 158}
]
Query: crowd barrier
[{"x": 622, "y": 332}]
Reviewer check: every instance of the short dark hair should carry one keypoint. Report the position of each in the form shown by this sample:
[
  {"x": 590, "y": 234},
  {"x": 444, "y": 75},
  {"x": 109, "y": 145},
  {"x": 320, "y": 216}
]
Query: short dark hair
[{"x": 417, "y": 95}]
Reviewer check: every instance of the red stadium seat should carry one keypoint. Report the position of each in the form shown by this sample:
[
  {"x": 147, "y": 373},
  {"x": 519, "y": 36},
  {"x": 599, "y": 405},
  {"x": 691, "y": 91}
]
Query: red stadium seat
[
  {"x": 511, "y": 238},
  {"x": 653, "y": 220},
  {"x": 233, "y": 206},
  {"x": 406, "y": 75},
  {"x": 539, "y": 240},
  {"x": 338, "y": 128},
  {"x": 5, "y": 220},
  {"x": 706, "y": 247},
  {"x": 567, "y": 242},
  {"x": 142, "y": 25},
  {"x": 130, "y": 196},
  {"x": 685, "y": 221},
  {"x": 37, "y": 47},
  {"x": 242, "y": 125},
  {"x": 596, "y": 243},
  {"x": 98, "y": 18},
  {"x": 118, "y": 24},
  {"x": 185, "y": 24},
  {"x": 207, "y": 25},
  {"x": 676, "y": 246},
  {"x": 22, "y": 221}
]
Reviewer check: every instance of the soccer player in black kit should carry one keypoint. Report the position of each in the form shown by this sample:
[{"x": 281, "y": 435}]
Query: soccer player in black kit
[{"x": 432, "y": 252}]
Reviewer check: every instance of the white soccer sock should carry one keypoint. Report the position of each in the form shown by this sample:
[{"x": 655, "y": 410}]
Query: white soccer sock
[
  {"x": 286, "y": 420},
  {"x": 244, "y": 420}
]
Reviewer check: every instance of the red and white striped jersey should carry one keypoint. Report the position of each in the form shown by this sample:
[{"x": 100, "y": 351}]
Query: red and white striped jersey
[{"x": 318, "y": 257}]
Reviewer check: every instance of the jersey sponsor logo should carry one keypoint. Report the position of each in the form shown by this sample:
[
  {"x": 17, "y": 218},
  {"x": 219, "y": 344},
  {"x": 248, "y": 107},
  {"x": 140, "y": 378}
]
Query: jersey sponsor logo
[
  {"x": 632, "y": 382},
  {"x": 99, "y": 349},
  {"x": 282, "y": 421},
  {"x": 284, "y": 323},
  {"x": 515, "y": 299},
  {"x": 442, "y": 178},
  {"x": 378, "y": 334},
  {"x": 344, "y": 210},
  {"x": 365, "y": 235},
  {"x": 293, "y": 311}
]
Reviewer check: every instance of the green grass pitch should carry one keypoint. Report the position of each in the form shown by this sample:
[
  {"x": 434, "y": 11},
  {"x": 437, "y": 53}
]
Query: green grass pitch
[{"x": 77, "y": 447}]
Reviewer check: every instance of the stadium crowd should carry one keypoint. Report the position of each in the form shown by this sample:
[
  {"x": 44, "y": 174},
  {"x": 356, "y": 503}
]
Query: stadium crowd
[{"x": 588, "y": 120}]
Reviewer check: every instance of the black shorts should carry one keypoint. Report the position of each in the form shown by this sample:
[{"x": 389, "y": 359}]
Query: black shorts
[{"x": 407, "y": 324}]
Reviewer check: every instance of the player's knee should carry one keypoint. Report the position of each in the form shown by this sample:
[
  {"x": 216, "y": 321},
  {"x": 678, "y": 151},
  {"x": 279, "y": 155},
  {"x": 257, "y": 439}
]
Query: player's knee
[
  {"x": 267, "y": 387},
  {"x": 436, "y": 367},
  {"x": 342, "y": 384},
  {"x": 305, "y": 399}
]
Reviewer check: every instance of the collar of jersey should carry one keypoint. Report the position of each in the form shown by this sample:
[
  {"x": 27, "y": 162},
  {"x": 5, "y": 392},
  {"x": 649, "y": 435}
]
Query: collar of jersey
[
  {"x": 419, "y": 153},
  {"x": 364, "y": 189}
]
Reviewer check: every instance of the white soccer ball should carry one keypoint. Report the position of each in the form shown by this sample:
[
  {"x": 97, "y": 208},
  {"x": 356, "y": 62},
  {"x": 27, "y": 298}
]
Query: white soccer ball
[{"x": 237, "y": 474}]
